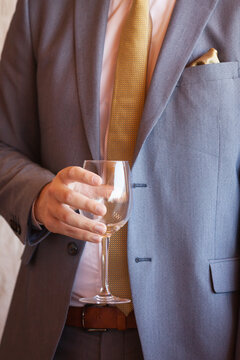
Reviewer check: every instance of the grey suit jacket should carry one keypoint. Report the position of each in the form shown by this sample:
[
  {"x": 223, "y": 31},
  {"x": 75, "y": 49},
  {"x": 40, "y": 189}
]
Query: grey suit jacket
[{"x": 186, "y": 218}]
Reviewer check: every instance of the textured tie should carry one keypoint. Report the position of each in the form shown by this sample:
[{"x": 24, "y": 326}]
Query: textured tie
[{"x": 127, "y": 107}]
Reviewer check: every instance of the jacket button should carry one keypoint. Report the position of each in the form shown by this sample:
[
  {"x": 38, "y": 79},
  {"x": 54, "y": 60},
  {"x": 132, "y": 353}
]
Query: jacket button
[{"x": 72, "y": 248}]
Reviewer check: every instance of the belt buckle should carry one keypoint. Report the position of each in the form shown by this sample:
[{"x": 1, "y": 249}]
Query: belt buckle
[{"x": 83, "y": 323}]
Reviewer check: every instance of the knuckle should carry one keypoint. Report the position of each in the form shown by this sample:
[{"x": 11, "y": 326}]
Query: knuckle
[
  {"x": 87, "y": 204},
  {"x": 51, "y": 191},
  {"x": 66, "y": 217},
  {"x": 72, "y": 232},
  {"x": 67, "y": 196},
  {"x": 85, "y": 225},
  {"x": 71, "y": 173},
  {"x": 86, "y": 176}
]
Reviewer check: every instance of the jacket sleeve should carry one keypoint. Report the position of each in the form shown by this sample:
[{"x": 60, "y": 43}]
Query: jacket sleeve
[{"x": 21, "y": 174}]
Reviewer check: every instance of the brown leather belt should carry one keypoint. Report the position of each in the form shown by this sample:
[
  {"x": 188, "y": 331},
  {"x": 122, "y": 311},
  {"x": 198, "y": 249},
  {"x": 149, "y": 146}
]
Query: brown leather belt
[{"x": 100, "y": 318}]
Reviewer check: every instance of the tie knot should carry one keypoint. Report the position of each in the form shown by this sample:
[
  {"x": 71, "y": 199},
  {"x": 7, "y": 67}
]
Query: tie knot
[{"x": 141, "y": 6}]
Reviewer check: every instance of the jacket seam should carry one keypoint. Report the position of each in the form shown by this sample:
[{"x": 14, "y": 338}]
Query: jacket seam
[{"x": 218, "y": 175}]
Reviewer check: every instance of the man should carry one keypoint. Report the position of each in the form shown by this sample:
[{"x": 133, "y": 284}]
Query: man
[{"x": 183, "y": 251}]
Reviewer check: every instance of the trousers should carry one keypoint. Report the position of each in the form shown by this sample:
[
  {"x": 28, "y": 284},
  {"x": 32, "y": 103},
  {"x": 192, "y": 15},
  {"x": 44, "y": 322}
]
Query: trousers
[{"x": 79, "y": 344}]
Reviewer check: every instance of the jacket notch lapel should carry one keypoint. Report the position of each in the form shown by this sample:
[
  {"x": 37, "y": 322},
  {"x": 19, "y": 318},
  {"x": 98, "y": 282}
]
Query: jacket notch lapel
[
  {"x": 188, "y": 20},
  {"x": 90, "y": 27}
]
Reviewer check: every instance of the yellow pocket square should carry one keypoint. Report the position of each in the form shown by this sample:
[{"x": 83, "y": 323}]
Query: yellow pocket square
[{"x": 210, "y": 57}]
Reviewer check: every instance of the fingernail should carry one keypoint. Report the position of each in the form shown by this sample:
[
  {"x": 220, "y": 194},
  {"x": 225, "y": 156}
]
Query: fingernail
[
  {"x": 100, "y": 209},
  {"x": 96, "y": 238},
  {"x": 100, "y": 229}
]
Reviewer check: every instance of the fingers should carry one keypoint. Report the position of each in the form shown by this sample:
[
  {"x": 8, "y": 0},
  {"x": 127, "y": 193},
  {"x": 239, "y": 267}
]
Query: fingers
[
  {"x": 76, "y": 173},
  {"x": 53, "y": 206},
  {"x": 67, "y": 216},
  {"x": 75, "y": 226},
  {"x": 79, "y": 201},
  {"x": 102, "y": 191},
  {"x": 62, "y": 219},
  {"x": 74, "y": 232}
]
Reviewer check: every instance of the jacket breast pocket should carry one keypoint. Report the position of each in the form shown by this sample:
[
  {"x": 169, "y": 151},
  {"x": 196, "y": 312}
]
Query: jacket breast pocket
[
  {"x": 209, "y": 72},
  {"x": 225, "y": 275},
  {"x": 204, "y": 101}
]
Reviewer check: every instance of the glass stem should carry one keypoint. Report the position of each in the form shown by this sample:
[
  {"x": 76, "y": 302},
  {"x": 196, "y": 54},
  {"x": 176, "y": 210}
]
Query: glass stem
[{"x": 104, "y": 291}]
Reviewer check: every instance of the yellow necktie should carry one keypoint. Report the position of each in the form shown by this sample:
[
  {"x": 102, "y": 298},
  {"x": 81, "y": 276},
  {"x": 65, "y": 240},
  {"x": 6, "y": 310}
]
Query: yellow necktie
[{"x": 127, "y": 107}]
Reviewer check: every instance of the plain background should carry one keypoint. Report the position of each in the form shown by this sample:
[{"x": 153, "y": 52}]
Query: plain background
[{"x": 10, "y": 246}]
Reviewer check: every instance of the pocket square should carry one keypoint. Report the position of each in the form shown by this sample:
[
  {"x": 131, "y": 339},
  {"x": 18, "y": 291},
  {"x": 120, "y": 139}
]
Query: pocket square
[{"x": 210, "y": 57}]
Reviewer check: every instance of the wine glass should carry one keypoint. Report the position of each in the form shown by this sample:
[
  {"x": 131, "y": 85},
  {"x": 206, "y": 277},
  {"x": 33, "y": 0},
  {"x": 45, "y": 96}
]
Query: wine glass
[{"x": 116, "y": 194}]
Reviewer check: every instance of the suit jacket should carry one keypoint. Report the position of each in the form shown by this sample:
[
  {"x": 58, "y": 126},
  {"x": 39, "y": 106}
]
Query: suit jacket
[{"x": 186, "y": 216}]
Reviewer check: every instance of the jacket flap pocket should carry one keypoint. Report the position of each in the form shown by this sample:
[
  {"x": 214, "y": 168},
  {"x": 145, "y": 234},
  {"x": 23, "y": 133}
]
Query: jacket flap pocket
[
  {"x": 225, "y": 275},
  {"x": 28, "y": 253}
]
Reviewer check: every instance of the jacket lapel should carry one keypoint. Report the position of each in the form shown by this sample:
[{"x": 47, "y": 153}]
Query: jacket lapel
[
  {"x": 187, "y": 23},
  {"x": 90, "y": 26}
]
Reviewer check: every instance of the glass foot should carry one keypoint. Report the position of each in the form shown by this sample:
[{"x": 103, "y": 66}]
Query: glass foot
[{"x": 104, "y": 300}]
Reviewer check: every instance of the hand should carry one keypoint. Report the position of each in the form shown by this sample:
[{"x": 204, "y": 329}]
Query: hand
[{"x": 69, "y": 190}]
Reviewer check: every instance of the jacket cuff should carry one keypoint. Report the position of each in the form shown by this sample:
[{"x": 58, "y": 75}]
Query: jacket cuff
[{"x": 35, "y": 234}]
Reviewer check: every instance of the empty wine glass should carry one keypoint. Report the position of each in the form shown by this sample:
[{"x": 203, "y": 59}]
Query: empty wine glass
[{"x": 115, "y": 193}]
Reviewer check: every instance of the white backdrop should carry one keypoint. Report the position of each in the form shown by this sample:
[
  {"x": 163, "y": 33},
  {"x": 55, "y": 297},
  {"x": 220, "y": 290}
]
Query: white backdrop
[{"x": 10, "y": 246}]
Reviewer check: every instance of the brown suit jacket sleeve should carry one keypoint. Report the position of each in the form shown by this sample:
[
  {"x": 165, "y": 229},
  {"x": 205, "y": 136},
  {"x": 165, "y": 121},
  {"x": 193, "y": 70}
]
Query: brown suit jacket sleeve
[{"x": 21, "y": 175}]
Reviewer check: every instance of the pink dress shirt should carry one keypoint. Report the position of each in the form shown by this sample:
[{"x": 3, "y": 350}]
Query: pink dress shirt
[{"x": 87, "y": 281}]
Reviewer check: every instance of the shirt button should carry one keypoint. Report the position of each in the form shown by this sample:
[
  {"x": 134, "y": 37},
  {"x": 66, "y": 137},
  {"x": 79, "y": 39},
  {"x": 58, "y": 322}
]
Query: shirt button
[{"x": 72, "y": 248}]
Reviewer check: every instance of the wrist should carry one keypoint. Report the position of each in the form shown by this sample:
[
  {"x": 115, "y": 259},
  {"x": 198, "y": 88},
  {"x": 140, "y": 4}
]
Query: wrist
[
  {"x": 37, "y": 224},
  {"x": 38, "y": 207}
]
